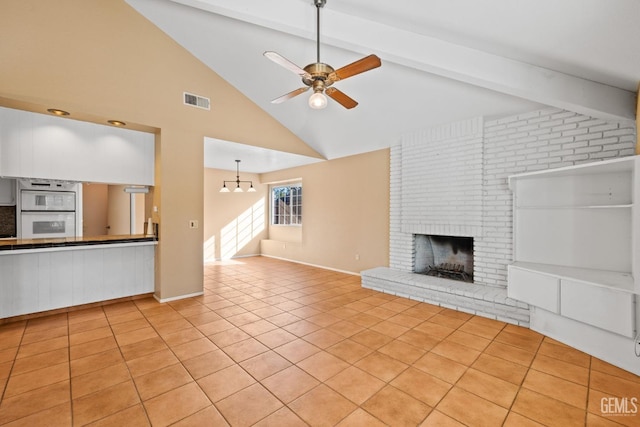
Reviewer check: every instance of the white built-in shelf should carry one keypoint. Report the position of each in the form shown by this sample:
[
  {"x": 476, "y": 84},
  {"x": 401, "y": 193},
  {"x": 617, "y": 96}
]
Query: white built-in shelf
[
  {"x": 576, "y": 240},
  {"x": 579, "y": 218},
  {"x": 575, "y": 233}
]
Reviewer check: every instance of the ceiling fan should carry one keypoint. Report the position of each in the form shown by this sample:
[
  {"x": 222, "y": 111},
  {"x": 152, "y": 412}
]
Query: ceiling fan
[{"x": 320, "y": 76}]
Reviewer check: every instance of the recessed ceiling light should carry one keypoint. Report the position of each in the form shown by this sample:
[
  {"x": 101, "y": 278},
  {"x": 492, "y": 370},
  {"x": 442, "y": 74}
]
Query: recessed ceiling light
[
  {"x": 116, "y": 122},
  {"x": 58, "y": 112}
]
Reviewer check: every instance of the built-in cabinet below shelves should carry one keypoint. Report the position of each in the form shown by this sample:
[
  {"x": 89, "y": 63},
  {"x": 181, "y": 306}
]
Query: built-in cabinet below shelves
[
  {"x": 575, "y": 236},
  {"x": 599, "y": 303},
  {"x": 42, "y": 146}
]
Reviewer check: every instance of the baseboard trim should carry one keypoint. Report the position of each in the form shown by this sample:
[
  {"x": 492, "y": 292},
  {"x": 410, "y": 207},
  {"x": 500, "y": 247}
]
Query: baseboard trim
[
  {"x": 179, "y": 297},
  {"x": 233, "y": 257},
  {"x": 312, "y": 265}
]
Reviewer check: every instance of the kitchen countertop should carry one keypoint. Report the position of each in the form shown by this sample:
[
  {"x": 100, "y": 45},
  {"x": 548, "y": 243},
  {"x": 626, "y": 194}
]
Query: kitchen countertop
[{"x": 17, "y": 244}]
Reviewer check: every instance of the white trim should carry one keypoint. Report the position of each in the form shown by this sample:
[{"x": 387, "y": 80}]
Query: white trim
[
  {"x": 209, "y": 260},
  {"x": 163, "y": 300},
  {"x": 312, "y": 265},
  {"x": 290, "y": 185},
  {"x": 76, "y": 247},
  {"x": 283, "y": 181}
]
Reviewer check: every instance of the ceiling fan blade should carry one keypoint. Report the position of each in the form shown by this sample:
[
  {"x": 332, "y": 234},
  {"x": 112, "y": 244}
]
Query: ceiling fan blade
[
  {"x": 290, "y": 95},
  {"x": 284, "y": 62},
  {"x": 341, "y": 98},
  {"x": 360, "y": 66}
]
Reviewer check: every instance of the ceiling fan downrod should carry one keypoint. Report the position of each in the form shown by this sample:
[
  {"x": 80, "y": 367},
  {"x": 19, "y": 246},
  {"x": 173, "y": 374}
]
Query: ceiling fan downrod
[{"x": 319, "y": 4}]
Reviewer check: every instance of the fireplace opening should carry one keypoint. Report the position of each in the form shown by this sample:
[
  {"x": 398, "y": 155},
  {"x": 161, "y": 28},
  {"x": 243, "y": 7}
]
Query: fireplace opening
[{"x": 448, "y": 257}]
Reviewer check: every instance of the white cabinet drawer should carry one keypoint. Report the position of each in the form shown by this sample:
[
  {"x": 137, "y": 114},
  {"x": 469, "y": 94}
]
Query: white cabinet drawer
[
  {"x": 604, "y": 308},
  {"x": 540, "y": 290}
]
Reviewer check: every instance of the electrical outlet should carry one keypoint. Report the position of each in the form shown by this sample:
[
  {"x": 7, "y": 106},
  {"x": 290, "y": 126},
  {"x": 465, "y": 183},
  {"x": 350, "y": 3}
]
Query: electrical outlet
[{"x": 193, "y": 223}]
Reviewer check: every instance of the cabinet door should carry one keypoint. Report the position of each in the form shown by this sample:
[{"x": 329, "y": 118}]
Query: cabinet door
[
  {"x": 123, "y": 156},
  {"x": 19, "y": 284},
  {"x": 540, "y": 290},
  {"x": 59, "y": 147},
  {"x": 16, "y": 143},
  {"x": 604, "y": 308}
]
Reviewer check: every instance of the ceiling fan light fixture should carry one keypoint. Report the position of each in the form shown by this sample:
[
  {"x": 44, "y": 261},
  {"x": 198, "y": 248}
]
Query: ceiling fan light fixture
[{"x": 318, "y": 101}]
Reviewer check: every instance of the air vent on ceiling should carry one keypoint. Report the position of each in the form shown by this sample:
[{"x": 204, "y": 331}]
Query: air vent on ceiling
[{"x": 196, "y": 101}]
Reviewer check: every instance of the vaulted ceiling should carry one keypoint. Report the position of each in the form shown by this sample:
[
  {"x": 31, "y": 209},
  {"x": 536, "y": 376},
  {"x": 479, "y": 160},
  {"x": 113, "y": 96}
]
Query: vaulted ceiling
[{"x": 442, "y": 61}]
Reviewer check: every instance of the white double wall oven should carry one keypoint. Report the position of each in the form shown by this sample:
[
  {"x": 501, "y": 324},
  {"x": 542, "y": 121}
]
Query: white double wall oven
[{"x": 48, "y": 209}]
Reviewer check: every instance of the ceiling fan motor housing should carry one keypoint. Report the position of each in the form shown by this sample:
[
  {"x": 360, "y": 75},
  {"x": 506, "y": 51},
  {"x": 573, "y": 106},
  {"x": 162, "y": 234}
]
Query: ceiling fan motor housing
[
  {"x": 319, "y": 3},
  {"x": 318, "y": 71}
]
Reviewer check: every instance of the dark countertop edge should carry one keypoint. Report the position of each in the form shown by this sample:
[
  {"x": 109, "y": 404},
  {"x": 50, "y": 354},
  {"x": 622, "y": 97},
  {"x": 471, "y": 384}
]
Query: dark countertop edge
[{"x": 12, "y": 245}]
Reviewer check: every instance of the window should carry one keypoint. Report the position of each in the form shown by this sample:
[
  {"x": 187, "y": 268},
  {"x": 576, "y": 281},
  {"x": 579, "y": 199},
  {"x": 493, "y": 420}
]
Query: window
[{"x": 286, "y": 204}]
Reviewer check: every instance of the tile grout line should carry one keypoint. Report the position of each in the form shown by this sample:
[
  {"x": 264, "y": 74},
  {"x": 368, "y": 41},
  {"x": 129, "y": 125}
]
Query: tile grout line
[{"x": 13, "y": 363}]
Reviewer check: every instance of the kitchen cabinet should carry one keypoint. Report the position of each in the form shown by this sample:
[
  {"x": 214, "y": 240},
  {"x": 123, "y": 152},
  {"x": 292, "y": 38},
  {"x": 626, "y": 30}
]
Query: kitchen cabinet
[
  {"x": 16, "y": 143},
  {"x": 47, "y": 147},
  {"x": 7, "y": 192},
  {"x": 37, "y": 280}
]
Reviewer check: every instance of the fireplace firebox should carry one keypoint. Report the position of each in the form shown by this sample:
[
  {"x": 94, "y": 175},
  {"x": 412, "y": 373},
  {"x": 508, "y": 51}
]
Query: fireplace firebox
[{"x": 448, "y": 257}]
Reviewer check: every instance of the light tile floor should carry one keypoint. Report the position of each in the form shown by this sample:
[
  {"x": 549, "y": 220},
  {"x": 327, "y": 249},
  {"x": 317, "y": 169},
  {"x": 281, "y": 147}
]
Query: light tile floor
[{"x": 273, "y": 343}]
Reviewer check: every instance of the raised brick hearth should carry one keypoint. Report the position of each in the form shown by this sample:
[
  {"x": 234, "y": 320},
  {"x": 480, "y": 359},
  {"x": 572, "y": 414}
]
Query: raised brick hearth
[{"x": 487, "y": 301}]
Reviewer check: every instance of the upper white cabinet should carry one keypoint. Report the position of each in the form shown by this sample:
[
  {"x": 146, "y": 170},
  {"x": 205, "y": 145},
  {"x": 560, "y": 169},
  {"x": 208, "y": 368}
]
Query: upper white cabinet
[{"x": 47, "y": 147}]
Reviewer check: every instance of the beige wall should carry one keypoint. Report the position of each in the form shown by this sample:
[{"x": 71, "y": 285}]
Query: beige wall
[
  {"x": 119, "y": 211},
  {"x": 345, "y": 205},
  {"x": 234, "y": 223},
  {"x": 108, "y": 205},
  {"x": 101, "y": 60},
  {"x": 94, "y": 209}
]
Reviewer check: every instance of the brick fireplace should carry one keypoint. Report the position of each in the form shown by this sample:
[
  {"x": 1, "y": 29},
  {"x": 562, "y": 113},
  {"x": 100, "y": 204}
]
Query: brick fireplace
[{"x": 451, "y": 180}]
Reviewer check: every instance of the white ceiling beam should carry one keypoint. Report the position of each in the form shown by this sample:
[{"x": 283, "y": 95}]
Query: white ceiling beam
[{"x": 434, "y": 56}]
